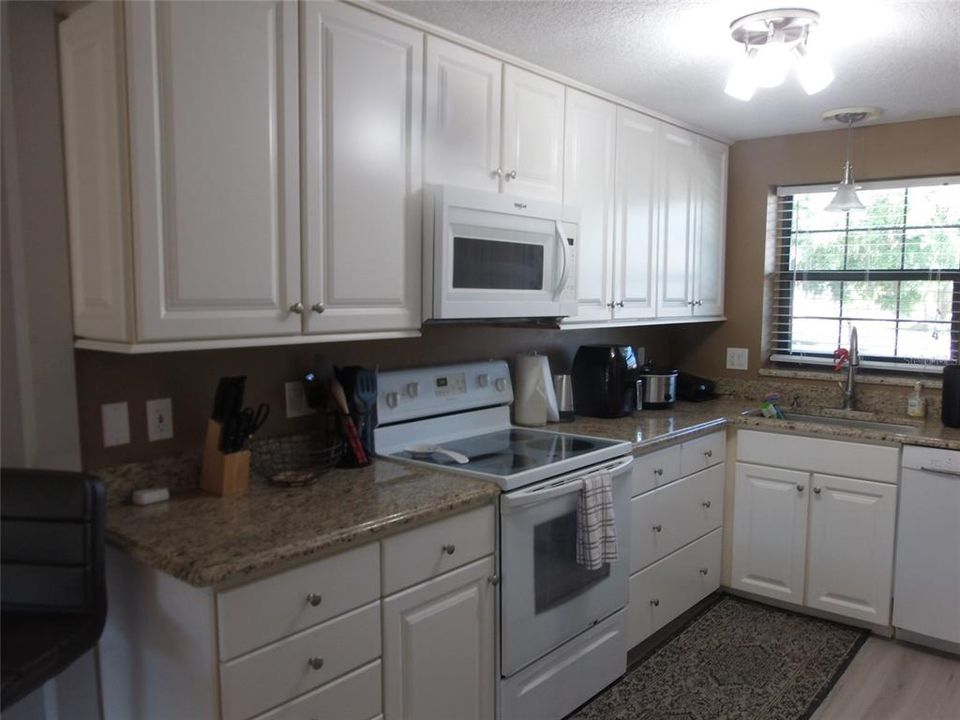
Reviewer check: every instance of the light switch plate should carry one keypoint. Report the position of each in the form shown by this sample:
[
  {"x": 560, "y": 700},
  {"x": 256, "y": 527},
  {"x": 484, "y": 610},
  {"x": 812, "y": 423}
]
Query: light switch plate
[
  {"x": 296, "y": 399},
  {"x": 159, "y": 419},
  {"x": 116, "y": 424},
  {"x": 737, "y": 358}
]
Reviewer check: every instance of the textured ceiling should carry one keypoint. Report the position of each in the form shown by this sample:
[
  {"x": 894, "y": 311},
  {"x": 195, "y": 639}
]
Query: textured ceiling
[{"x": 672, "y": 56}]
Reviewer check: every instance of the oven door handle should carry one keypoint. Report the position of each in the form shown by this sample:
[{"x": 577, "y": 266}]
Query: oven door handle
[
  {"x": 561, "y": 238},
  {"x": 556, "y": 489}
]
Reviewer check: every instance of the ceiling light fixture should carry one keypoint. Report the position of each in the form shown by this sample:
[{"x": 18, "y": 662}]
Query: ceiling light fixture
[
  {"x": 846, "y": 198},
  {"x": 773, "y": 41}
]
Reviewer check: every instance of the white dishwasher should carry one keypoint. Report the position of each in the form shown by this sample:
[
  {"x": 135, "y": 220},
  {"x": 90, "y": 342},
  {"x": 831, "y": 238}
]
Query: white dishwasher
[{"x": 927, "y": 588}]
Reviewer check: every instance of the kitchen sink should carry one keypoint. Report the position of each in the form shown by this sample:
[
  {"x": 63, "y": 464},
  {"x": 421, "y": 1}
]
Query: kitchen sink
[{"x": 897, "y": 428}]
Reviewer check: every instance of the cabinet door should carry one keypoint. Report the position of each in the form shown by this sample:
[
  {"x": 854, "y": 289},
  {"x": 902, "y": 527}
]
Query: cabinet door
[
  {"x": 635, "y": 246},
  {"x": 214, "y": 167},
  {"x": 363, "y": 117},
  {"x": 588, "y": 182},
  {"x": 95, "y": 164},
  {"x": 532, "y": 135},
  {"x": 711, "y": 227},
  {"x": 438, "y": 647},
  {"x": 770, "y": 531},
  {"x": 850, "y": 549},
  {"x": 677, "y": 210},
  {"x": 462, "y": 122}
]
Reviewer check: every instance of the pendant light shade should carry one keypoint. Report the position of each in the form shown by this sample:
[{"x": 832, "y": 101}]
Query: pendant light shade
[{"x": 846, "y": 198}]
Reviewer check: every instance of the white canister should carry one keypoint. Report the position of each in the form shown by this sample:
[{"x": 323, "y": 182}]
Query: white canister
[{"x": 534, "y": 400}]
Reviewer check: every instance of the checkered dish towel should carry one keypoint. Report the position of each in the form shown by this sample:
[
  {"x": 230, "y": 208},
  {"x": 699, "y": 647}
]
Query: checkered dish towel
[{"x": 596, "y": 531}]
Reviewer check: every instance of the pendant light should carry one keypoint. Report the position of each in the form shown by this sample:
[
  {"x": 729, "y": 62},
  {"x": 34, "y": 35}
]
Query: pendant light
[{"x": 846, "y": 198}]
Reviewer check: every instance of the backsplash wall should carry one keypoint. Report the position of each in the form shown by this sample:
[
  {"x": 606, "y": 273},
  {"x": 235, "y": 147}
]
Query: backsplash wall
[{"x": 190, "y": 378}]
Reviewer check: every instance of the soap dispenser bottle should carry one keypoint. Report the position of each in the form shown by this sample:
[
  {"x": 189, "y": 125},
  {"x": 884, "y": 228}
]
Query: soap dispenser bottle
[{"x": 916, "y": 403}]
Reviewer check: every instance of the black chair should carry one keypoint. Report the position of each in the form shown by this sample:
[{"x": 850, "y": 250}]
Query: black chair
[{"x": 54, "y": 599}]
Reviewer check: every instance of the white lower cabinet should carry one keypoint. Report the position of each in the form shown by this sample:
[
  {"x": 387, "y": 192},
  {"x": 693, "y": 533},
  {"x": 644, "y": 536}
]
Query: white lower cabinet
[
  {"x": 438, "y": 647},
  {"x": 811, "y": 538}
]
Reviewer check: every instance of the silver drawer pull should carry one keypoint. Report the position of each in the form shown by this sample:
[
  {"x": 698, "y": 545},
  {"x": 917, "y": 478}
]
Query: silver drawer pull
[
  {"x": 816, "y": 490},
  {"x": 658, "y": 528},
  {"x": 655, "y": 603},
  {"x": 708, "y": 453},
  {"x": 449, "y": 549},
  {"x": 314, "y": 599},
  {"x": 297, "y": 308},
  {"x": 704, "y": 571},
  {"x": 658, "y": 471},
  {"x": 799, "y": 487},
  {"x": 315, "y": 663},
  {"x": 706, "y": 504},
  {"x": 494, "y": 579}
]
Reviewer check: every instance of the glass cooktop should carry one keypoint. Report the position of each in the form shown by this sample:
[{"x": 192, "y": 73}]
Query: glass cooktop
[{"x": 508, "y": 452}]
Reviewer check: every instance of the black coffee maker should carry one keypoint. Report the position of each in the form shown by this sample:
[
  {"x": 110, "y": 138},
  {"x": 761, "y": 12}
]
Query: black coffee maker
[{"x": 605, "y": 380}]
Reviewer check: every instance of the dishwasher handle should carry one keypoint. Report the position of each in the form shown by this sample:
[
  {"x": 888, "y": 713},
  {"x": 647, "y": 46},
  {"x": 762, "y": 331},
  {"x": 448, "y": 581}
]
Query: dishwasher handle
[{"x": 939, "y": 471}]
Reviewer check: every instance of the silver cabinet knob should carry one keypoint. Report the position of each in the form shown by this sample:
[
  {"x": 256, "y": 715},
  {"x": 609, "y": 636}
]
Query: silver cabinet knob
[
  {"x": 494, "y": 579},
  {"x": 704, "y": 571},
  {"x": 800, "y": 487},
  {"x": 658, "y": 528},
  {"x": 297, "y": 308},
  {"x": 708, "y": 453},
  {"x": 816, "y": 490},
  {"x": 619, "y": 304},
  {"x": 314, "y": 599},
  {"x": 706, "y": 504},
  {"x": 449, "y": 549},
  {"x": 315, "y": 663},
  {"x": 498, "y": 172},
  {"x": 655, "y": 602},
  {"x": 658, "y": 471},
  {"x": 610, "y": 304},
  {"x": 698, "y": 303},
  {"x": 691, "y": 303},
  {"x": 512, "y": 175},
  {"x": 318, "y": 308}
]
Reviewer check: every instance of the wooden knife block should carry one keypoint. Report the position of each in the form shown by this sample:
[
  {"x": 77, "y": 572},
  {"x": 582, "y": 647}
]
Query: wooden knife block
[{"x": 223, "y": 474}]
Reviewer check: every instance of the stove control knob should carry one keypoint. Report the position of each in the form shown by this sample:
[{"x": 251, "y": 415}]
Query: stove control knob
[
  {"x": 500, "y": 384},
  {"x": 483, "y": 380},
  {"x": 392, "y": 399},
  {"x": 413, "y": 389}
]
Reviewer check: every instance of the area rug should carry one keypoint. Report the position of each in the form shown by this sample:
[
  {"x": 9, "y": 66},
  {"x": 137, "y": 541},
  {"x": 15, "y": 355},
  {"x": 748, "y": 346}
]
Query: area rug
[{"x": 738, "y": 660}]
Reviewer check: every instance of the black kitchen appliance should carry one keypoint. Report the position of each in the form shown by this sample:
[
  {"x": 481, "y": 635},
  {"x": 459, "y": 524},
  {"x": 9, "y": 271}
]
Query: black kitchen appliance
[
  {"x": 950, "y": 408},
  {"x": 604, "y": 380},
  {"x": 695, "y": 389}
]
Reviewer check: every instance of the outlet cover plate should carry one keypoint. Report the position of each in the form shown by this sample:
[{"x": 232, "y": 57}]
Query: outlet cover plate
[
  {"x": 116, "y": 424},
  {"x": 296, "y": 400},
  {"x": 159, "y": 419},
  {"x": 737, "y": 358}
]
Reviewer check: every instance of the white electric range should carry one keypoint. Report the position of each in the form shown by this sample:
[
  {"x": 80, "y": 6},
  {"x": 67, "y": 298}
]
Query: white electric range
[{"x": 562, "y": 627}]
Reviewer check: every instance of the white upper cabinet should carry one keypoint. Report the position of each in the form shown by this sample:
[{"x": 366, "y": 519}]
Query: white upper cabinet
[
  {"x": 462, "y": 122},
  {"x": 363, "y": 80},
  {"x": 635, "y": 234},
  {"x": 677, "y": 215},
  {"x": 214, "y": 137},
  {"x": 533, "y": 142},
  {"x": 711, "y": 227},
  {"x": 588, "y": 185}
]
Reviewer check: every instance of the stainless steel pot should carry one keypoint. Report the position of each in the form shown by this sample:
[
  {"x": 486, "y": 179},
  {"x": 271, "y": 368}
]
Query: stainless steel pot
[{"x": 656, "y": 388}]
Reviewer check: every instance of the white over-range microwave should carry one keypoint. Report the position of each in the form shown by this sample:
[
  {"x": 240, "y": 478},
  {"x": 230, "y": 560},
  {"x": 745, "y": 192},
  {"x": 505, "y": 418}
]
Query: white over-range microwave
[{"x": 488, "y": 256}]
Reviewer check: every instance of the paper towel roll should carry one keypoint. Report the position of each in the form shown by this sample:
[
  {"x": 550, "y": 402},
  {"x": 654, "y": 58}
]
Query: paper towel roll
[{"x": 534, "y": 400}]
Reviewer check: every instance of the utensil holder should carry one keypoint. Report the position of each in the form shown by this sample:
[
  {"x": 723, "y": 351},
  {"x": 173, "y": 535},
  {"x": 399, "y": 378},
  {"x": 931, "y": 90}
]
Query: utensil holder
[{"x": 222, "y": 473}]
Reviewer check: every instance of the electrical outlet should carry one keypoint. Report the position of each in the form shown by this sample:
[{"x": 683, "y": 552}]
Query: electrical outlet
[
  {"x": 737, "y": 358},
  {"x": 296, "y": 399},
  {"x": 116, "y": 424},
  {"x": 159, "y": 419}
]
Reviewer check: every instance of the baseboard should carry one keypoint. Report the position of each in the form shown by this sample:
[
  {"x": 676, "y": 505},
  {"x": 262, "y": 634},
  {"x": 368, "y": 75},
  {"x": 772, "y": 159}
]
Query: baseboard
[{"x": 943, "y": 646}]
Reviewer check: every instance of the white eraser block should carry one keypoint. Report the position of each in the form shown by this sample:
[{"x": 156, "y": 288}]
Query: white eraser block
[{"x": 150, "y": 496}]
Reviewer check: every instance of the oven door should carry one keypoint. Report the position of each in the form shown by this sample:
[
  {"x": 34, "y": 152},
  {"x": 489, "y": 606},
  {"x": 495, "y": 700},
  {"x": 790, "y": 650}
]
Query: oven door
[
  {"x": 496, "y": 261},
  {"x": 546, "y": 597}
]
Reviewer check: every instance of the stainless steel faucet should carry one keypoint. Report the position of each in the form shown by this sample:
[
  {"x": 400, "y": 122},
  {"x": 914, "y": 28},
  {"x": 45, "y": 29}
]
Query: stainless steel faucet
[{"x": 850, "y": 391}]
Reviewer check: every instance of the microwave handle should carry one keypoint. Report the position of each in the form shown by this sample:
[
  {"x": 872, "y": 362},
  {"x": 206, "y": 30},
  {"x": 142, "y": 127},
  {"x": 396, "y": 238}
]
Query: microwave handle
[
  {"x": 533, "y": 497},
  {"x": 561, "y": 238}
]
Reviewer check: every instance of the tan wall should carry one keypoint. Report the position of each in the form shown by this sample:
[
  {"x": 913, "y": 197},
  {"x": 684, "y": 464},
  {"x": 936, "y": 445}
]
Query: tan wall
[
  {"x": 926, "y": 147},
  {"x": 190, "y": 378}
]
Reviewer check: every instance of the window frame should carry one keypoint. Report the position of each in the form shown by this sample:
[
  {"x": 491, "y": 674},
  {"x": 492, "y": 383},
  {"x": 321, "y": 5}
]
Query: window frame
[{"x": 784, "y": 278}]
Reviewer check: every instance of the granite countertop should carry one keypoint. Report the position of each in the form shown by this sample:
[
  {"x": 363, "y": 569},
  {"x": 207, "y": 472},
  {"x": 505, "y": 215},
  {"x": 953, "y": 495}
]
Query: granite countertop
[{"x": 206, "y": 540}]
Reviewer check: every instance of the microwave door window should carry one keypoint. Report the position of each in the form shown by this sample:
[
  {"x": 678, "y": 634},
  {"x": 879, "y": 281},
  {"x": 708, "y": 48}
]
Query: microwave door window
[
  {"x": 557, "y": 575},
  {"x": 480, "y": 264}
]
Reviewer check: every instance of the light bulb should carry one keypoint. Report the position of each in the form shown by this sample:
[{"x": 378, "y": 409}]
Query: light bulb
[
  {"x": 813, "y": 70},
  {"x": 772, "y": 63},
  {"x": 741, "y": 83}
]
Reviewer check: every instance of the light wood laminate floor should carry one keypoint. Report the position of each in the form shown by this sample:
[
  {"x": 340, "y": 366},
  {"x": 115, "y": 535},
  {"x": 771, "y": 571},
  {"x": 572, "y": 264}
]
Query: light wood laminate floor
[{"x": 895, "y": 681}]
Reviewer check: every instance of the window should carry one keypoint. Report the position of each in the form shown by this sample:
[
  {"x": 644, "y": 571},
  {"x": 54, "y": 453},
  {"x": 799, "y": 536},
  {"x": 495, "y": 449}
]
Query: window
[{"x": 891, "y": 270}]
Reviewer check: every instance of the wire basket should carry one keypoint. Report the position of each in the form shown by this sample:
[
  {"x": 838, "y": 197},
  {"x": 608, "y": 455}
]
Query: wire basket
[{"x": 296, "y": 460}]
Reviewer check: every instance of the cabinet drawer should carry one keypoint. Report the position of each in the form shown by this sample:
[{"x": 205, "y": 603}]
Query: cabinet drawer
[
  {"x": 668, "y": 588},
  {"x": 355, "y": 696},
  {"x": 655, "y": 469},
  {"x": 274, "y": 674},
  {"x": 703, "y": 452},
  {"x": 423, "y": 553},
  {"x": 264, "y": 611},
  {"x": 672, "y": 516}
]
